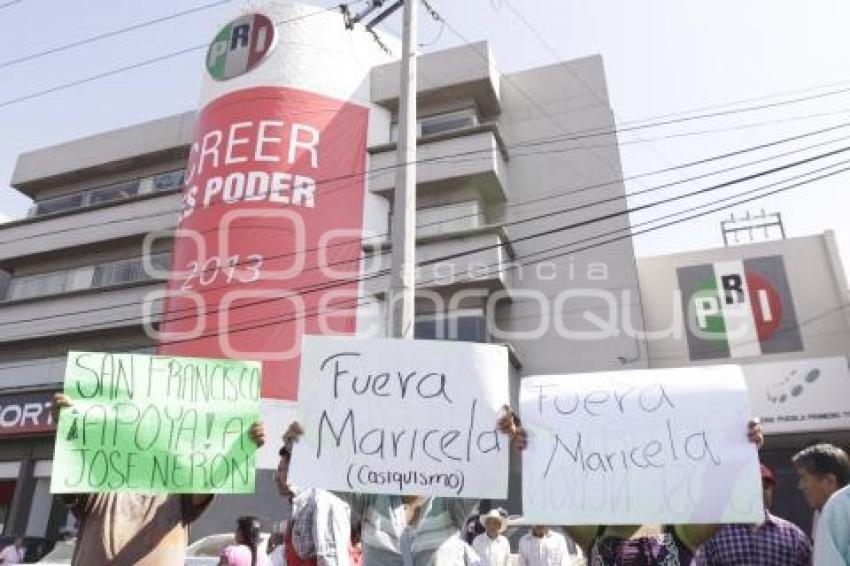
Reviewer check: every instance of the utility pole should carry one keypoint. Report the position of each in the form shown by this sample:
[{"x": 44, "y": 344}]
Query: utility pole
[
  {"x": 400, "y": 298},
  {"x": 401, "y": 293}
]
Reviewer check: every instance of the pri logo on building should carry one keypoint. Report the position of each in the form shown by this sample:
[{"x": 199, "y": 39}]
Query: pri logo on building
[
  {"x": 240, "y": 46},
  {"x": 738, "y": 309}
]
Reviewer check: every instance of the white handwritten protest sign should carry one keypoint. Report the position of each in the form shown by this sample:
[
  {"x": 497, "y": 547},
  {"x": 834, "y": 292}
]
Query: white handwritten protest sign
[
  {"x": 652, "y": 446},
  {"x": 411, "y": 417}
]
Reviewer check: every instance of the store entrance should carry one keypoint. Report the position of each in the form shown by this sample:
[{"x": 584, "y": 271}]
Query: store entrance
[{"x": 7, "y": 491}]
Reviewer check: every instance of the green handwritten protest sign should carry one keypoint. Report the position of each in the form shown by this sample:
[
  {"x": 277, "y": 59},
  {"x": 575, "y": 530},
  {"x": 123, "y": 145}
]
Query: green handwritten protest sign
[{"x": 156, "y": 424}]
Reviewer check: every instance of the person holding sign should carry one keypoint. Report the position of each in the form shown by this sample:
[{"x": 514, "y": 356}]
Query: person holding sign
[
  {"x": 413, "y": 530},
  {"x": 650, "y": 545},
  {"x": 135, "y": 528},
  {"x": 775, "y": 542},
  {"x": 319, "y": 531}
]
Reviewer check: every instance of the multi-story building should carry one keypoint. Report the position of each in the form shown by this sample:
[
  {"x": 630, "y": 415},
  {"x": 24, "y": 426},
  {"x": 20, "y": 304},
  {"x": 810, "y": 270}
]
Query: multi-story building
[
  {"x": 498, "y": 167},
  {"x": 780, "y": 309}
]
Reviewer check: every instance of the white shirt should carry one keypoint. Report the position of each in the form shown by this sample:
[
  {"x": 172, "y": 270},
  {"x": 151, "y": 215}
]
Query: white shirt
[
  {"x": 277, "y": 556},
  {"x": 453, "y": 551},
  {"x": 492, "y": 551},
  {"x": 550, "y": 550},
  {"x": 12, "y": 555},
  {"x": 832, "y": 543}
]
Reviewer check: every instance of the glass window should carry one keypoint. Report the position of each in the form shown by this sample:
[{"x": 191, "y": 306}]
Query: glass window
[
  {"x": 114, "y": 192},
  {"x": 463, "y": 327},
  {"x": 172, "y": 180},
  {"x": 59, "y": 204},
  {"x": 117, "y": 272},
  {"x": 37, "y": 285},
  {"x": 450, "y": 218},
  {"x": 79, "y": 278},
  {"x": 438, "y": 123},
  {"x": 447, "y": 122},
  {"x": 104, "y": 274}
]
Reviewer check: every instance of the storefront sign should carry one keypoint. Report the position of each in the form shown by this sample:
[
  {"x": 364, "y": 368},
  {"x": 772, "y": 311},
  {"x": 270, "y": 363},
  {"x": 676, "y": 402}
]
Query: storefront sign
[
  {"x": 800, "y": 395},
  {"x": 25, "y": 413},
  {"x": 738, "y": 309},
  {"x": 636, "y": 447}
]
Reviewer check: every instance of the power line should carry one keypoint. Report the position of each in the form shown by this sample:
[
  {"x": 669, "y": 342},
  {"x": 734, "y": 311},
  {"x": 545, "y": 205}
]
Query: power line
[
  {"x": 445, "y": 159},
  {"x": 10, "y": 4},
  {"x": 574, "y": 225},
  {"x": 140, "y": 64},
  {"x": 561, "y": 253},
  {"x": 109, "y": 34},
  {"x": 359, "y": 242}
]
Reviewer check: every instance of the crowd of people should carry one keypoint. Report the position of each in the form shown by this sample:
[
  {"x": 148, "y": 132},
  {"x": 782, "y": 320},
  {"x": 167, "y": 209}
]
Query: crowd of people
[{"x": 350, "y": 529}]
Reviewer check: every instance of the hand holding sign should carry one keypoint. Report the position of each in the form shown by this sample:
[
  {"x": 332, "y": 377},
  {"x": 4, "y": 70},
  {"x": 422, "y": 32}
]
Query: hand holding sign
[{"x": 402, "y": 417}]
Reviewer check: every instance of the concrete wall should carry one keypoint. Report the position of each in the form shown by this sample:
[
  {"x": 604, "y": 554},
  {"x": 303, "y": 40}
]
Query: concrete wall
[
  {"x": 553, "y": 103},
  {"x": 123, "y": 149}
]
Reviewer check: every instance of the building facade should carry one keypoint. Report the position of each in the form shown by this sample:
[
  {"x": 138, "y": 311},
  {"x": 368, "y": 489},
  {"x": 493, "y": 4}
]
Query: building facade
[
  {"x": 778, "y": 308},
  {"x": 499, "y": 173}
]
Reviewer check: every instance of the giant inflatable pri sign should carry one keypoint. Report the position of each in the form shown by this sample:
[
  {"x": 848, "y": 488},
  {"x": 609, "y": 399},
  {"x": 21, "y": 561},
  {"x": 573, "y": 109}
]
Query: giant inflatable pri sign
[{"x": 268, "y": 243}]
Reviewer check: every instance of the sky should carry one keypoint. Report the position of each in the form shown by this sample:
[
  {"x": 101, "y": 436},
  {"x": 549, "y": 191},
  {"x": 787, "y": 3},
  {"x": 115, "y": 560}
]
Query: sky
[{"x": 661, "y": 57}]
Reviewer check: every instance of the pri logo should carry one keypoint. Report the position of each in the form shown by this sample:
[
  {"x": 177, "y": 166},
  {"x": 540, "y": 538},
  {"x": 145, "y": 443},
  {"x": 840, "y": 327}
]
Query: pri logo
[
  {"x": 738, "y": 309},
  {"x": 240, "y": 46}
]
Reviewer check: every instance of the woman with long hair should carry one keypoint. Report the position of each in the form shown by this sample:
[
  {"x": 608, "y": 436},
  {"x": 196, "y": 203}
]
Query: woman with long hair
[{"x": 245, "y": 551}]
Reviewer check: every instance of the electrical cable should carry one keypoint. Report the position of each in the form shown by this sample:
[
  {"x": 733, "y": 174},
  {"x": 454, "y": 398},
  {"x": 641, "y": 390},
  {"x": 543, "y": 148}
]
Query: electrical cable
[
  {"x": 452, "y": 160},
  {"x": 108, "y": 34},
  {"x": 145, "y": 63},
  {"x": 538, "y": 234},
  {"x": 516, "y": 222},
  {"x": 570, "y": 251}
]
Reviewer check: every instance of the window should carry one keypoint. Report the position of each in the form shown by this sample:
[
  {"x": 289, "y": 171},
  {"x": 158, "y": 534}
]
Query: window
[
  {"x": 88, "y": 277},
  {"x": 439, "y": 123},
  {"x": 462, "y": 326},
  {"x": 59, "y": 204},
  {"x": 447, "y": 122},
  {"x": 446, "y": 219},
  {"x": 110, "y": 193},
  {"x": 171, "y": 180},
  {"x": 37, "y": 285}
]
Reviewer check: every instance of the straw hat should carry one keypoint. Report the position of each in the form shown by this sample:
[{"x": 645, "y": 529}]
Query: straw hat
[{"x": 494, "y": 514}]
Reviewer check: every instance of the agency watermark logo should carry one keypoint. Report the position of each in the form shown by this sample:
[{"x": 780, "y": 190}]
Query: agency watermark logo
[{"x": 241, "y": 46}]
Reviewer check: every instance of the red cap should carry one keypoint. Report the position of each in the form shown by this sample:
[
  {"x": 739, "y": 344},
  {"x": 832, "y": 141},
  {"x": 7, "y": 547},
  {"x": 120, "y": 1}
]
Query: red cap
[{"x": 767, "y": 475}]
